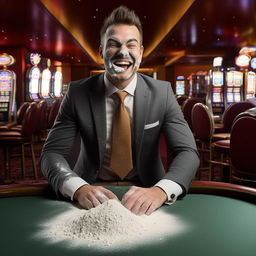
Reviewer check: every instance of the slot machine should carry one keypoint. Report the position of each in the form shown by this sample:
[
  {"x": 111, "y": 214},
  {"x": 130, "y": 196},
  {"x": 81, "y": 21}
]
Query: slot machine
[
  {"x": 180, "y": 86},
  {"x": 57, "y": 84},
  {"x": 235, "y": 80},
  {"x": 250, "y": 85},
  {"x": 189, "y": 84},
  {"x": 234, "y": 83},
  {"x": 215, "y": 98},
  {"x": 33, "y": 76},
  {"x": 200, "y": 84},
  {"x": 7, "y": 88},
  {"x": 45, "y": 85},
  {"x": 64, "y": 88}
]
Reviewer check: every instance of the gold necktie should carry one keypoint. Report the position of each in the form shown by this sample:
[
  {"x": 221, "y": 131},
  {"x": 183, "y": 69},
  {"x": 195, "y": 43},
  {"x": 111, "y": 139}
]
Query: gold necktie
[{"x": 121, "y": 149}]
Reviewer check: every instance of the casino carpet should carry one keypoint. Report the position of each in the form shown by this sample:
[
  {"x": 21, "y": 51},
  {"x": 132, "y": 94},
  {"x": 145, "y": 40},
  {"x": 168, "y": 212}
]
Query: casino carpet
[
  {"x": 15, "y": 166},
  {"x": 16, "y": 175}
]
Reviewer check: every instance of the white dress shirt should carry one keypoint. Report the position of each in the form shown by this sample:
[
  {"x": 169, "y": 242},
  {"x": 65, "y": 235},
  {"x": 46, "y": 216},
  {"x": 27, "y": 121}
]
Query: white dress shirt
[{"x": 70, "y": 185}]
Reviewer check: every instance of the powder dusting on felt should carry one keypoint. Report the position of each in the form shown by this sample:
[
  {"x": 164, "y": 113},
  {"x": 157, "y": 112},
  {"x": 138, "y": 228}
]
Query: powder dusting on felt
[{"x": 110, "y": 225}]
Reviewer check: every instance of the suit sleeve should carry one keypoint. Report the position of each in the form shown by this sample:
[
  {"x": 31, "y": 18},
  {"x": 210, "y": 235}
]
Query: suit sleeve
[
  {"x": 181, "y": 144},
  {"x": 54, "y": 164}
]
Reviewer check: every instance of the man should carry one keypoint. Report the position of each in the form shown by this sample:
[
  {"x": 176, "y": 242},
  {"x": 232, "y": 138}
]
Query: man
[{"x": 148, "y": 107}]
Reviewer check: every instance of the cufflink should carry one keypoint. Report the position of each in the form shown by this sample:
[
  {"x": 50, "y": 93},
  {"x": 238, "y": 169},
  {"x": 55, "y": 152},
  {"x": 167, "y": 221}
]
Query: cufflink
[{"x": 172, "y": 196}]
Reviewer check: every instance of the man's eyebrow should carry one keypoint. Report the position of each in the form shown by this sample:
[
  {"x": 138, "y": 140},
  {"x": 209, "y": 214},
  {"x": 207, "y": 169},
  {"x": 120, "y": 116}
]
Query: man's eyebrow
[
  {"x": 132, "y": 40},
  {"x": 114, "y": 40},
  {"x": 119, "y": 42}
]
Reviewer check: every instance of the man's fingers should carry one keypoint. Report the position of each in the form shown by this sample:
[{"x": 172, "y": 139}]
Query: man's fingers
[
  {"x": 85, "y": 203},
  {"x": 129, "y": 196},
  {"x": 91, "y": 196},
  {"x": 130, "y": 199},
  {"x": 151, "y": 209},
  {"x": 145, "y": 207},
  {"x": 109, "y": 194}
]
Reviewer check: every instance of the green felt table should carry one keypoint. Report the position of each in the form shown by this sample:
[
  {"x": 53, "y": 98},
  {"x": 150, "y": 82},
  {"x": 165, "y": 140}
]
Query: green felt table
[{"x": 221, "y": 220}]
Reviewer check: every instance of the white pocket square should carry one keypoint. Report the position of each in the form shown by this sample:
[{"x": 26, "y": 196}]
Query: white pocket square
[{"x": 149, "y": 126}]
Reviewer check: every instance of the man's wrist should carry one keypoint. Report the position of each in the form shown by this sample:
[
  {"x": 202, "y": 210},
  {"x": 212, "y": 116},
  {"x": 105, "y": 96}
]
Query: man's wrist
[
  {"x": 71, "y": 185},
  {"x": 171, "y": 188}
]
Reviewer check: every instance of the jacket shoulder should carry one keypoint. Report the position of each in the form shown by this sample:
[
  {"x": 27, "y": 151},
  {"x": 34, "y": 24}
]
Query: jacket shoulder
[
  {"x": 154, "y": 82},
  {"x": 85, "y": 81}
]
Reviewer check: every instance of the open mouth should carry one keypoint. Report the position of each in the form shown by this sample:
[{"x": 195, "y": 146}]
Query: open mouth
[{"x": 121, "y": 66}]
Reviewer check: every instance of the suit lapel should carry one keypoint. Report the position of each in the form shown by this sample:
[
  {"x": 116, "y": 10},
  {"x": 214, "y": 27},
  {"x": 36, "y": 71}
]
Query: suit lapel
[
  {"x": 97, "y": 100},
  {"x": 141, "y": 106}
]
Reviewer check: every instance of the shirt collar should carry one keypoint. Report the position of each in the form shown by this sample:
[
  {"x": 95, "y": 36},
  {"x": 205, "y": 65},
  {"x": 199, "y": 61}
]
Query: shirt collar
[{"x": 111, "y": 89}]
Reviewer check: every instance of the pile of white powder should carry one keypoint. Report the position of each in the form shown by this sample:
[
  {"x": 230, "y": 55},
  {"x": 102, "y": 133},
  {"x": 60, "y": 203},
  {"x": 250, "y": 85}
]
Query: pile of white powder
[{"x": 110, "y": 225}]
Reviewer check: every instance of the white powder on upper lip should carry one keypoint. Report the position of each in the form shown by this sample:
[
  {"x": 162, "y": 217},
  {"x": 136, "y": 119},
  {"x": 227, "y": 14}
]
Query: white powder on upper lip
[{"x": 110, "y": 225}]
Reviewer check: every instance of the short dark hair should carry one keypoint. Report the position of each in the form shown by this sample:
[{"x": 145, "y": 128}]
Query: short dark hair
[{"x": 121, "y": 15}]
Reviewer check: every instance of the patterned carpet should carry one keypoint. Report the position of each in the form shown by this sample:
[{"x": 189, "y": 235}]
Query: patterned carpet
[
  {"x": 15, "y": 166},
  {"x": 16, "y": 174}
]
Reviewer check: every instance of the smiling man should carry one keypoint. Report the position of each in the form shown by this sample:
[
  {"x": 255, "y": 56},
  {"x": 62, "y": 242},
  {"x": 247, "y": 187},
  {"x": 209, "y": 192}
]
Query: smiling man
[{"x": 120, "y": 115}]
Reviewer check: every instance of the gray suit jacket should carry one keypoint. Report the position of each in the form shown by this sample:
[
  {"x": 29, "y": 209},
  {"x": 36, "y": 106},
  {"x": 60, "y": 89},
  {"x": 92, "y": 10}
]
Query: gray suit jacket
[{"x": 155, "y": 111}]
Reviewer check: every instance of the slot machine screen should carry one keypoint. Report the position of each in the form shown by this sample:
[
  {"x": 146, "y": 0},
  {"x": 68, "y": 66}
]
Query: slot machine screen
[
  {"x": 251, "y": 82},
  {"x": 46, "y": 82},
  {"x": 180, "y": 87},
  {"x": 238, "y": 78},
  {"x": 34, "y": 82},
  {"x": 230, "y": 97},
  {"x": 237, "y": 97},
  {"x": 57, "y": 84},
  {"x": 217, "y": 78},
  {"x": 230, "y": 78},
  {"x": 5, "y": 86},
  {"x": 216, "y": 97}
]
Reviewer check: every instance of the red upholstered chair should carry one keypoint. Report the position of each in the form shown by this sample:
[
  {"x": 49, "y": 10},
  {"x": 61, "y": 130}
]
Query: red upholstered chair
[
  {"x": 42, "y": 119},
  {"x": 54, "y": 109},
  {"x": 229, "y": 115},
  {"x": 203, "y": 127},
  {"x": 10, "y": 139},
  {"x": 187, "y": 109},
  {"x": 242, "y": 150},
  {"x": 19, "y": 118},
  {"x": 181, "y": 99}
]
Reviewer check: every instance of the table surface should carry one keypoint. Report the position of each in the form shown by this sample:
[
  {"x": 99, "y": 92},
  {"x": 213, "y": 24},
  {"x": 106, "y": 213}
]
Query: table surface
[{"x": 218, "y": 225}]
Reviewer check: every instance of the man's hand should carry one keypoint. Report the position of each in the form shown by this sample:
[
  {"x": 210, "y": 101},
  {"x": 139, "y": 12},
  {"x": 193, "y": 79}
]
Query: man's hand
[
  {"x": 91, "y": 196},
  {"x": 144, "y": 200}
]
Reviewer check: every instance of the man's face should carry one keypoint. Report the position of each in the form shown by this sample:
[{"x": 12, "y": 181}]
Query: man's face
[{"x": 122, "y": 52}]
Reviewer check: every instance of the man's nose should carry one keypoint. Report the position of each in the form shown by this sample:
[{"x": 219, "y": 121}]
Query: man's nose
[{"x": 124, "y": 52}]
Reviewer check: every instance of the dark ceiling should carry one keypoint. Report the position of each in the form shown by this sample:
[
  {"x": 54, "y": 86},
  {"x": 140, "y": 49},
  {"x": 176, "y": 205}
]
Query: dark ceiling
[{"x": 175, "y": 31}]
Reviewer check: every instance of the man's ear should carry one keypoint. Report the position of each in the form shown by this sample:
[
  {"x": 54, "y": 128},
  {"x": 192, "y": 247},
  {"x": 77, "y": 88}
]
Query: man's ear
[
  {"x": 141, "y": 49},
  {"x": 100, "y": 51}
]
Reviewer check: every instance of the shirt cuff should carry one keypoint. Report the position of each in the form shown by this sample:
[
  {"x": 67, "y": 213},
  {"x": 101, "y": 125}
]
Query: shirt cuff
[
  {"x": 71, "y": 185},
  {"x": 171, "y": 188}
]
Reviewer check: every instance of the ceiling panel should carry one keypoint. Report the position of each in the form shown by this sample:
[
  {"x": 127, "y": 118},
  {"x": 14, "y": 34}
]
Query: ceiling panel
[{"x": 177, "y": 31}]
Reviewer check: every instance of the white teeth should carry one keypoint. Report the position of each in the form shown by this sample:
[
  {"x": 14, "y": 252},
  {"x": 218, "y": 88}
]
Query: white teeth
[
  {"x": 118, "y": 69},
  {"x": 122, "y": 63}
]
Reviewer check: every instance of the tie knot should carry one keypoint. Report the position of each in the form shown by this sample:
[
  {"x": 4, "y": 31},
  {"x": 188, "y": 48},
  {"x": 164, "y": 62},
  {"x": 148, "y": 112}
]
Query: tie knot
[{"x": 121, "y": 95}]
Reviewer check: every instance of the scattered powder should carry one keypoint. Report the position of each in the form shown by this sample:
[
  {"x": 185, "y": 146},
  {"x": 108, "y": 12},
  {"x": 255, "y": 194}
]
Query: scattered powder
[{"x": 110, "y": 225}]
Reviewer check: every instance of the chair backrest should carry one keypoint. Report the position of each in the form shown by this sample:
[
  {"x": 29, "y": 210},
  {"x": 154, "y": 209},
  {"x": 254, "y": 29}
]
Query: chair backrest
[
  {"x": 181, "y": 99},
  {"x": 30, "y": 120},
  {"x": 187, "y": 109},
  {"x": 242, "y": 146},
  {"x": 21, "y": 112},
  {"x": 42, "y": 115},
  {"x": 248, "y": 112},
  {"x": 202, "y": 122},
  {"x": 54, "y": 109},
  {"x": 232, "y": 111}
]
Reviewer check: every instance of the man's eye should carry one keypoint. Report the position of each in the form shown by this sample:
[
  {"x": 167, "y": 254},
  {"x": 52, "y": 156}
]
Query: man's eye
[
  {"x": 112, "y": 44},
  {"x": 131, "y": 46}
]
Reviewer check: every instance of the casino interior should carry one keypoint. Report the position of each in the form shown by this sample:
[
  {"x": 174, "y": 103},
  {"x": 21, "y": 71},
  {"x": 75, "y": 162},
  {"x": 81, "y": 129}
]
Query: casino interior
[{"x": 206, "y": 49}]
